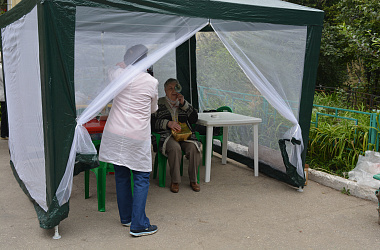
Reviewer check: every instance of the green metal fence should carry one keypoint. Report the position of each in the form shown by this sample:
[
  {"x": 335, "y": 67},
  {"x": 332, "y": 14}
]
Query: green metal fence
[{"x": 373, "y": 135}]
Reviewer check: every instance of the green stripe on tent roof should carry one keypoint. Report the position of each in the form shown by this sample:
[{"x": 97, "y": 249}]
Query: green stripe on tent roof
[{"x": 270, "y": 3}]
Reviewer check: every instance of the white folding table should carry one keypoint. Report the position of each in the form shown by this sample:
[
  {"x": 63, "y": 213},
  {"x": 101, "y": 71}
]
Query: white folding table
[{"x": 225, "y": 119}]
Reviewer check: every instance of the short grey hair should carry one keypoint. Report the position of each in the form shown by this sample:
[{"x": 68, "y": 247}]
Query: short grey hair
[{"x": 170, "y": 80}]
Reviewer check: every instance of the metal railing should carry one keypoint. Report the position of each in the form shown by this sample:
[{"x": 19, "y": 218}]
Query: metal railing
[{"x": 373, "y": 135}]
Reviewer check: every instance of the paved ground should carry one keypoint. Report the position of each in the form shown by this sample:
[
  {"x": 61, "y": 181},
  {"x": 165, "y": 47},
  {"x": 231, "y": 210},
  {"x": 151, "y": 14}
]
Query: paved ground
[{"x": 234, "y": 211}]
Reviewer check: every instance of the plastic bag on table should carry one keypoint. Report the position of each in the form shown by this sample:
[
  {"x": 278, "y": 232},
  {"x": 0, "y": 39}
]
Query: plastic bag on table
[{"x": 366, "y": 167}]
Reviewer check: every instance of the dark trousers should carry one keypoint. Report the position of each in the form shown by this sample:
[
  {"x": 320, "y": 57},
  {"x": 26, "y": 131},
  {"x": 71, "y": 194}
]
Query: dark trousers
[
  {"x": 132, "y": 207},
  {"x": 4, "y": 120}
]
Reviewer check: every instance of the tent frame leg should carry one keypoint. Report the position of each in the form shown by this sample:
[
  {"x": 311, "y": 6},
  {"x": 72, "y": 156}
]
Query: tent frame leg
[{"x": 56, "y": 233}]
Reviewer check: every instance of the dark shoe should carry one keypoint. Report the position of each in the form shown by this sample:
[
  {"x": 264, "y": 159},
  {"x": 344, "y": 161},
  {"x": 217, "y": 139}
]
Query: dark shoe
[
  {"x": 174, "y": 187},
  {"x": 147, "y": 231},
  {"x": 195, "y": 186}
]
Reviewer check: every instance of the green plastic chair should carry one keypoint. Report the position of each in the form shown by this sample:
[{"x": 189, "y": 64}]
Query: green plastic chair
[
  {"x": 202, "y": 138},
  {"x": 377, "y": 177},
  {"x": 160, "y": 162},
  {"x": 100, "y": 173}
]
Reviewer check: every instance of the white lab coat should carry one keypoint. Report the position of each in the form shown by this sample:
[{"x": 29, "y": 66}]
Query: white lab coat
[
  {"x": 2, "y": 98},
  {"x": 126, "y": 137}
]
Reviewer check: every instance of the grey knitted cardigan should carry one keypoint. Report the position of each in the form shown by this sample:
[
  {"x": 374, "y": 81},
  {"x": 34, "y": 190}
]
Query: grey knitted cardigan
[{"x": 164, "y": 114}]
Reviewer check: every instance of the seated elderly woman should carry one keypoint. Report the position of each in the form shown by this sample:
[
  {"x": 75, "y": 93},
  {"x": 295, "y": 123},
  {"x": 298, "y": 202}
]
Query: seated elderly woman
[{"x": 174, "y": 110}]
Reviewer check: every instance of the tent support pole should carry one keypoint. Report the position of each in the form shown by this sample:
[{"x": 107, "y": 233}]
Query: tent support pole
[
  {"x": 191, "y": 84},
  {"x": 56, "y": 233}
]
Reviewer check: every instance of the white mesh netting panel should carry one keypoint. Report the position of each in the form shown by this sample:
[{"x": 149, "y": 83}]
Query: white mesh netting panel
[
  {"x": 23, "y": 91},
  {"x": 102, "y": 37},
  {"x": 96, "y": 56},
  {"x": 257, "y": 70}
]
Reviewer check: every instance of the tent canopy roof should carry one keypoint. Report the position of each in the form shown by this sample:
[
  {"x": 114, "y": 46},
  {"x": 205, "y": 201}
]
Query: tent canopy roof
[{"x": 268, "y": 11}]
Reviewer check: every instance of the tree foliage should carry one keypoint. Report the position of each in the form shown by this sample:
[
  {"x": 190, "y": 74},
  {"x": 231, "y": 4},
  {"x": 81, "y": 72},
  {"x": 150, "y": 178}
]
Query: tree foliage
[
  {"x": 350, "y": 43},
  {"x": 359, "y": 22},
  {"x": 3, "y": 6}
]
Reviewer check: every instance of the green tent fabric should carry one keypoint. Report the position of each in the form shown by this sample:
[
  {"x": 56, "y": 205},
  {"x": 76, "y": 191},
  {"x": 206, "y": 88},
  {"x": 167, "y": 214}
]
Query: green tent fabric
[{"x": 54, "y": 69}]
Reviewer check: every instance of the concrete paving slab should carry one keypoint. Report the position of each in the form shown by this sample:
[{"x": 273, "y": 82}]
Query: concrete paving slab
[{"x": 234, "y": 211}]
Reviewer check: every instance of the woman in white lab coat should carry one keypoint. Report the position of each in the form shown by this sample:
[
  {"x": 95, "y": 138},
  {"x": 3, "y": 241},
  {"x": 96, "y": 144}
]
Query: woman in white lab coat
[{"x": 126, "y": 142}]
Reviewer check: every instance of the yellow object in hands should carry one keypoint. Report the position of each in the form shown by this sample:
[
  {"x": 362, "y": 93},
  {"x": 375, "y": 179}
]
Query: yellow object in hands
[{"x": 182, "y": 135}]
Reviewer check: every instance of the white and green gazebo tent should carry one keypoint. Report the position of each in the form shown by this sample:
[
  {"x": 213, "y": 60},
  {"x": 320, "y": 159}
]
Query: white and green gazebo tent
[{"x": 56, "y": 54}]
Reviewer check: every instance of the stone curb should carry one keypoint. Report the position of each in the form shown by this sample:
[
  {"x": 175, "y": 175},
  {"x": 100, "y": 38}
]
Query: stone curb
[{"x": 339, "y": 183}]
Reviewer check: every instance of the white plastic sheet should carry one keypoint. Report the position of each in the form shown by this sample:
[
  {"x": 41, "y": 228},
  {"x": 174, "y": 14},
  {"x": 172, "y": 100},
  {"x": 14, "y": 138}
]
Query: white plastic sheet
[{"x": 366, "y": 167}]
